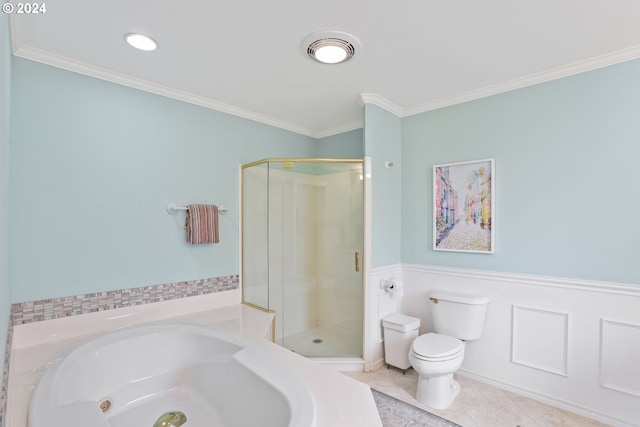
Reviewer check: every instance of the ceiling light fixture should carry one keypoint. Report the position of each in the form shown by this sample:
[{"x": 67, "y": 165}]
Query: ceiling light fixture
[
  {"x": 330, "y": 46},
  {"x": 140, "y": 41}
]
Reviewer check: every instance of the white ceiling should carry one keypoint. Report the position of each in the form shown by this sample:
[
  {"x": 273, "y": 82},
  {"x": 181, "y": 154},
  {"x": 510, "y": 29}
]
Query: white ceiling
[{"x": 246, "y": 58}]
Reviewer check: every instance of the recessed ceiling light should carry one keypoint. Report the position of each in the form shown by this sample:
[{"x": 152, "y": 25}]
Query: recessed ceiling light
[
  {"x": 140, "y": 41},
  {"x": 330, "y": 46}
]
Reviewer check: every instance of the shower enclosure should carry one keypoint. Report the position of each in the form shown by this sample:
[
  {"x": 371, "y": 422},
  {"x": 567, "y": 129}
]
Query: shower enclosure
[{"x": 302, "y": 251}]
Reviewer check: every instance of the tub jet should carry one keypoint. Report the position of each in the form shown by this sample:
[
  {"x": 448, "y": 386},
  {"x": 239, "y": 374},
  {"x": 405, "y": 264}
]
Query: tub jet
[{"x": 105, "y": 405}]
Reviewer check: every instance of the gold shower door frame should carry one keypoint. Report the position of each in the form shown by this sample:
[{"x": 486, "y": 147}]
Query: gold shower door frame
[{"x": 255, "y": 240}]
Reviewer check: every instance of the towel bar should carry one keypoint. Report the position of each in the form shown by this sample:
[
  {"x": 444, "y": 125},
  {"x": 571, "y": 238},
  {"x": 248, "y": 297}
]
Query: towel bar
[{"x": 172, "y": 208}]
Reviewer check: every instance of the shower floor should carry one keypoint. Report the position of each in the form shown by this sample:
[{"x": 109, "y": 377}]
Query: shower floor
[{"x": 335, "y": 341}]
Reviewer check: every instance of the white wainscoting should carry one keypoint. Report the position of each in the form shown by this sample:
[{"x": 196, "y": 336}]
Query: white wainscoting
[
  {"x": 540, "y": 338},
  {"x": 382, "y": 305},
  {"x": 574, "y": 344},
  {"x": 620, "y": 356}
]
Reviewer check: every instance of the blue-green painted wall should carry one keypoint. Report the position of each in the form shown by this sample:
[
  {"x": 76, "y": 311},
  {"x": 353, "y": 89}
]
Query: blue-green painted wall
[
  {"x": 567, "y": 176},
  {"x": 382, "y": 142},
  {"x": 93, "y": 165},
  {"x": 5, "y": 286},
  {"x": 347, "y": 145}
]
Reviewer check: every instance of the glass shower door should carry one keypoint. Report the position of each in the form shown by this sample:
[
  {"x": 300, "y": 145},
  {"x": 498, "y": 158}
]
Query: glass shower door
[
  {"x": 302, "y": 252},
  {"x": 316, "y": 225}
]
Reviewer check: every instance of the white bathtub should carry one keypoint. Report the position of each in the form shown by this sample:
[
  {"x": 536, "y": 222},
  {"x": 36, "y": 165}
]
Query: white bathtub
[{"x": 215, "y": 378}]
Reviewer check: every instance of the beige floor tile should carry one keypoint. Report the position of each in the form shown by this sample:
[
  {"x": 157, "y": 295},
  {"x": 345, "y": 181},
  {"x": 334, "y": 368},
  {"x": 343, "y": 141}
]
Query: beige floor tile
[{"x": 478, "y": 404}]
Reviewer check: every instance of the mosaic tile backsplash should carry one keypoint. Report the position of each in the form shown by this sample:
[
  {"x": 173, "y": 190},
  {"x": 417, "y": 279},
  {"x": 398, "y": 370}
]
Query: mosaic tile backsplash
[
  {"x": 53, "y": 308},
  {"x": 35, "y": 311}
]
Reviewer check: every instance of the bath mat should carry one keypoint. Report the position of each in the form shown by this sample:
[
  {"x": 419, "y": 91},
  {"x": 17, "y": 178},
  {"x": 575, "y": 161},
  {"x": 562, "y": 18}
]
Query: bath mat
[{"x": 396, "y": 413}]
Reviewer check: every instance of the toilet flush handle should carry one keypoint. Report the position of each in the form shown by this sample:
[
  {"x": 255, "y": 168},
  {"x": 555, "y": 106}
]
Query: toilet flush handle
[{"x": 434, "y": 300}]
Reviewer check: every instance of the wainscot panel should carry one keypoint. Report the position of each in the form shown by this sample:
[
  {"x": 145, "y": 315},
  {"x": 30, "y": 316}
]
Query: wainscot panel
[{"x": 545, "y": 338}]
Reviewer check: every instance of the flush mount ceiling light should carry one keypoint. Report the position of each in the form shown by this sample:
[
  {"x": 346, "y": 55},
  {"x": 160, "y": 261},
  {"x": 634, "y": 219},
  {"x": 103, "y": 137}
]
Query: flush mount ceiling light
[
  {"x": 330, "y": 46},
  {"x": 140, "y": 41}
]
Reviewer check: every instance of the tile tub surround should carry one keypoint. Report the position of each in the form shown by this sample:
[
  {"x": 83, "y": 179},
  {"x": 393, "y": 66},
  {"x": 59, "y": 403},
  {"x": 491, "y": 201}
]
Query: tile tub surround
[
  {"x": 54, "y": 308},
  {"x": 57, "y": 308},
  {"x": 340, "y": 401}
]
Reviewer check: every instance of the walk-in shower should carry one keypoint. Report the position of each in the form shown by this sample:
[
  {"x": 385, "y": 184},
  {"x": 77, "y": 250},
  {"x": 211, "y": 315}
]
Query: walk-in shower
[{"x": 302, "y": 251}]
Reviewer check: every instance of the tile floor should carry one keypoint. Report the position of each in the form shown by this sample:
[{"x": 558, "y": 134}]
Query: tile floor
[{"x": 478, "y": 404}]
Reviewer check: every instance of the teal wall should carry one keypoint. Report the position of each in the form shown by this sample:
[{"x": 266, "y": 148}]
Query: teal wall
[
  {"x": 347, "y": 145},
  {"x": 382, "y": 143},
  {"x": 567, "y": 176},
  {"x": 93, "y": 165},
  {"x": 5, "y": 291}
]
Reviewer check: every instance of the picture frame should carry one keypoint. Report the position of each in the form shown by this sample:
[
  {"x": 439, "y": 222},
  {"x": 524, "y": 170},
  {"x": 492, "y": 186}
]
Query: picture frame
[{"x": 464, "y": 207}]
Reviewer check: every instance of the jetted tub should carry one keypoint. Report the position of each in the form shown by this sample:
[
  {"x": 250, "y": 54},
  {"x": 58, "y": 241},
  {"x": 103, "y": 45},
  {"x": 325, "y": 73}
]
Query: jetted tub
[{"x": 132, "y": 376}]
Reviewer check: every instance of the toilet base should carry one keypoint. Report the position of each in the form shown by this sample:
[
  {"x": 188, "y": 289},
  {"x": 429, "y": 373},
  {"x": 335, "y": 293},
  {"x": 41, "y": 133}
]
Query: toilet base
[{"x": 437, "y": 392}]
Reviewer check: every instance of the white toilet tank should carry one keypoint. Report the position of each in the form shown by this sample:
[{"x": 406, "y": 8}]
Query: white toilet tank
[{"x": 458, "y": 315}]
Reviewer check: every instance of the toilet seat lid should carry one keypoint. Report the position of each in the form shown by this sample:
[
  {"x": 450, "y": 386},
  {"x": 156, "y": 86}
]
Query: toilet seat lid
[{"x": 436, "y": 346}]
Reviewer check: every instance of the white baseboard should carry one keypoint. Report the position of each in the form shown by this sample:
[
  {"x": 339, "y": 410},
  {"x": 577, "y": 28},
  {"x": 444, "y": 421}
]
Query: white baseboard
[{"x": 377, "y": 364}]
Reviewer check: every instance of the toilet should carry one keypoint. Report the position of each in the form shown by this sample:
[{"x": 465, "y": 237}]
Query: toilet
[{"x": 435, "y": 356}]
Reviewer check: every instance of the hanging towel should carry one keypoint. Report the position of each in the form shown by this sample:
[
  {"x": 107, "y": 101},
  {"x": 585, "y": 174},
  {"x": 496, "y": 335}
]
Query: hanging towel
[{"x": 202, "y": 224}]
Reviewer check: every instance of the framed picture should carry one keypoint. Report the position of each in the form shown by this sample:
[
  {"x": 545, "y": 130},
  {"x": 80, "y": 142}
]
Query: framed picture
[{"x": 463, "y": 207}]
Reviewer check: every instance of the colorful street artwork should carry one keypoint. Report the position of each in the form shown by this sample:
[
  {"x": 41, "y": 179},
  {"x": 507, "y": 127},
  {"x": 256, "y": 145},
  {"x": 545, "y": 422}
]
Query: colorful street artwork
[{"x": 463, "y": 207}]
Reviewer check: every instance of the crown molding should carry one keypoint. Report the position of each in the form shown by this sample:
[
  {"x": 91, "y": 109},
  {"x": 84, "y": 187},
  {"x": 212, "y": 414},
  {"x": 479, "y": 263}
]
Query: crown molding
[
  {"x": 382, "y": 102},
  {"x": 44, "y": 57},
  {"x": 358, "y": 124},
  {"x": 578, "y": 67},
  {"x": 612, "y": 58}
]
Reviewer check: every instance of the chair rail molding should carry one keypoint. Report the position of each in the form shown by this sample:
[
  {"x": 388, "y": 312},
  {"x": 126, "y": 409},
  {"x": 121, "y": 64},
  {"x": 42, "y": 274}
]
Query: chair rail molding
[{"x": 571, "y": 343}]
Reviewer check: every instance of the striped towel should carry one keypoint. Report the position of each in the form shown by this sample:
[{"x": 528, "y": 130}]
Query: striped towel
[{"x": 202, "y": 224}]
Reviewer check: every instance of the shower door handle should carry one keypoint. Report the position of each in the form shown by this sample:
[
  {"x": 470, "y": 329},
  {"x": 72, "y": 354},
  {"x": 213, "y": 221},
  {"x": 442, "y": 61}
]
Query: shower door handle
[{"x": 357, "y": 260}]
